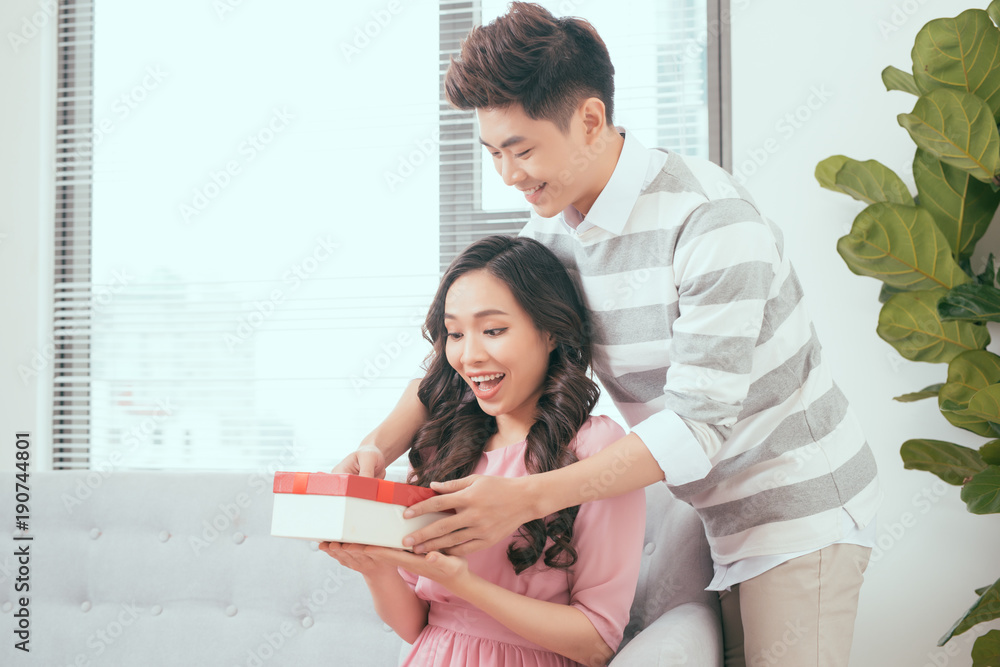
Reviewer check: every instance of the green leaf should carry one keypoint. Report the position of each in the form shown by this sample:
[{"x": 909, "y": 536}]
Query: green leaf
[
  {"x": 896, "y": 79},
  {"x": 994, "y": 11},
  {"x": 989, "y": 274},
  {"x": 958, "y": 128},
  {"x": 909, "y": 322},
  {"x": 826, "y": 171},
  {"x": 927, "y": 392},
  {"x": 869, "y": 181},
  {"x": 901, "y": 246},
  {"x": 982, "y": 493},
  {"x": 968, "y": 373},
  {"x": 952, "y": 463},
  {"x": 872, "y": 182},
  {"x": 961, "y": 206},
  {"x": 971, "y": 302},
  {"x": 887, "y": 292},
  {"x": 990, "y": 452},
  {"x": 961, "y": 53},
  {"x": 987, "y": 608},
  {"x": 985, "y": 404},
  {"x": 986, "y": 650}
]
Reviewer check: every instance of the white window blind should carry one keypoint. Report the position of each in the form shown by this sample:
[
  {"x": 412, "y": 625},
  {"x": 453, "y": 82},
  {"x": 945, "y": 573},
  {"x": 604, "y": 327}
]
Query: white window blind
[{"x": 255, "y": 204}]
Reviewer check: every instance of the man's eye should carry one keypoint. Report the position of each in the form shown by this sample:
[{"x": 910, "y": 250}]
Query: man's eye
[{"x": 520, "y": 155}]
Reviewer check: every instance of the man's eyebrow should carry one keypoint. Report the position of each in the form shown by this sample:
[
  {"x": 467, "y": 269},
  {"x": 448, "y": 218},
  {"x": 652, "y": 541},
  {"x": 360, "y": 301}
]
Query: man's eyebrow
[{"x": 508, "y": 142}]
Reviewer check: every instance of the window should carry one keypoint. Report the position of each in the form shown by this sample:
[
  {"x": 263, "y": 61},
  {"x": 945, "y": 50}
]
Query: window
[{"x": 254, "y": 204}]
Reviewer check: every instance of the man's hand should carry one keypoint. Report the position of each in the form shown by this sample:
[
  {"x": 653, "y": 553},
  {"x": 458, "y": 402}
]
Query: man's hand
[
  {"x": 487, "y": 510},
  {"x": 366, "y": 460}
]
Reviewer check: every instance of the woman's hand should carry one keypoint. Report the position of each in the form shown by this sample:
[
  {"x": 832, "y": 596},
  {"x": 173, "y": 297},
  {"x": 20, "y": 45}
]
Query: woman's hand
[
  {"x": 449, "y": 571},
  {"x": 357, "y": 558},
  {"x": 366, "y": 460}
]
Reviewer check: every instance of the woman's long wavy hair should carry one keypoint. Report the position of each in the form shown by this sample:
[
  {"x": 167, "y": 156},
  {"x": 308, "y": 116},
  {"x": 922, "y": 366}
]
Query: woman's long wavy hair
[{"x": 454, "y": 437}]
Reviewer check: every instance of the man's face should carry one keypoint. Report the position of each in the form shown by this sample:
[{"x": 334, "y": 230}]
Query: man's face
[{"x": 551, "y": 167}]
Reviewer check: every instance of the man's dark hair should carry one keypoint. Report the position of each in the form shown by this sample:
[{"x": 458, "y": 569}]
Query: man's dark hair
[{"x": 531, "y": 58}]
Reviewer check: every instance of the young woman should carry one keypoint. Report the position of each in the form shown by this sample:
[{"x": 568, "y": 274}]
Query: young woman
[{"x": 507, "y": 394}]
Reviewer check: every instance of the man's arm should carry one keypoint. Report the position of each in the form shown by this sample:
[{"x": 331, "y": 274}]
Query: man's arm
[
  {"x": 491, "y": 508},
  {"x": 390, "y": 439}
]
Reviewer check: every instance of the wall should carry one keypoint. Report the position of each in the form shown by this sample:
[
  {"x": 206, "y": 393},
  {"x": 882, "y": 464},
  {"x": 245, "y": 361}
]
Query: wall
[
  {"x": 806, "y": 85},
  {"x": 27, "y": 122}
]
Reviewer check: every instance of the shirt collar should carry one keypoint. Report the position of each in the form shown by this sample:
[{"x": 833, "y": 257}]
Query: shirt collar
[{"x": 613, "y": 206}]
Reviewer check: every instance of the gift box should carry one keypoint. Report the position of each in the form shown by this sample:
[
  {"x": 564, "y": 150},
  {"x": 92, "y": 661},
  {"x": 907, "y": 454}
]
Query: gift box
[{"x": 337, "y": 507}]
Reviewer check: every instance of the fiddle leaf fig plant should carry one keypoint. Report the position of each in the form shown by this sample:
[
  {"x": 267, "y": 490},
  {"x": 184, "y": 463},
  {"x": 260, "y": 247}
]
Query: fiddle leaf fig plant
[{"x": 935, "y": 305}]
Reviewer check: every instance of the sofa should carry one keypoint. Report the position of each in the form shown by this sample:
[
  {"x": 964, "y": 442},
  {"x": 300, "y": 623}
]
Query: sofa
[{"x": 166, "y": 568}]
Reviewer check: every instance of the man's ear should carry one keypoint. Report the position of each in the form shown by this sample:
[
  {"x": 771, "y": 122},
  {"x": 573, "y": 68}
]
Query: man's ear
[{"x": 592, "y": 112}]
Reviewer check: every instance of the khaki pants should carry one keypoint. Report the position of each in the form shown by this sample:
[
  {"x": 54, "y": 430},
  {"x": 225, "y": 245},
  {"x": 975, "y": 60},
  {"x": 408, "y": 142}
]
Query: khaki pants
[{"x": 798, "y": 614}]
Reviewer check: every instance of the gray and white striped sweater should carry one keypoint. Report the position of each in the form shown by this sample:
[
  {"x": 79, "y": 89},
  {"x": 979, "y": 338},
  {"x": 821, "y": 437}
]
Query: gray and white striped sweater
[{"x": 700, "y": 328}]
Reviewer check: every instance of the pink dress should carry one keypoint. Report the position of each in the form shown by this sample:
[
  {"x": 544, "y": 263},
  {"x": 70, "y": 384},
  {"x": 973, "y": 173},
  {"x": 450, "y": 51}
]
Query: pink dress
[{"x": 608, "y": 536}]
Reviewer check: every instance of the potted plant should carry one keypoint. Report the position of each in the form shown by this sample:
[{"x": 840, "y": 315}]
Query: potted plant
[{"x": 935, "y": 303}]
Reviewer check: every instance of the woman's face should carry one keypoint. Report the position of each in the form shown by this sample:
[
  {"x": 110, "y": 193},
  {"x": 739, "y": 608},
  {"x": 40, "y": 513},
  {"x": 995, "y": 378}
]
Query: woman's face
[{"x": 494, "y": 345}]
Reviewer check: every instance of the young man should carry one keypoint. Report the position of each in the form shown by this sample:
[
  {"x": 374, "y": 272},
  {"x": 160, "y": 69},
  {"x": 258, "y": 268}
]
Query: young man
[{"x": 703, "y": 342}]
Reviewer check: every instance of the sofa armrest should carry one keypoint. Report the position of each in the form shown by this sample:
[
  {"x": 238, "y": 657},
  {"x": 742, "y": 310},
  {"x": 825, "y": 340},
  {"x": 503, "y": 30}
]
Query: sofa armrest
[{"x": 688, "y": 634}]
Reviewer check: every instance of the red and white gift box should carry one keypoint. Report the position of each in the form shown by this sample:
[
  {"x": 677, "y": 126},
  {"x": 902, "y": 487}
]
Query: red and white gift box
[{"x": 337, "y": 507}]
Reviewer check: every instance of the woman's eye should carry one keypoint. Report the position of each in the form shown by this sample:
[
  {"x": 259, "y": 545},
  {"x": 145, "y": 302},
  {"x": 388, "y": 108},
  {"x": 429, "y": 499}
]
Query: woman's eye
[
  {"x": 454, "y": 336},
  {"x": 495, "y": 332}
]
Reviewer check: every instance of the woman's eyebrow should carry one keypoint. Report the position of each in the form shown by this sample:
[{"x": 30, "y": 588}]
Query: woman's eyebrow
[
  {"x": 507, "y": 142},
  {"x": 481, "y": 313}
]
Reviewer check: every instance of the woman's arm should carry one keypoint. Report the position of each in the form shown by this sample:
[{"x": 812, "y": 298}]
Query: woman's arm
[
  {"x": 559, "y": 628},
  {"x": 395, "y": 602},
  {"x": 390, "y": 439}
]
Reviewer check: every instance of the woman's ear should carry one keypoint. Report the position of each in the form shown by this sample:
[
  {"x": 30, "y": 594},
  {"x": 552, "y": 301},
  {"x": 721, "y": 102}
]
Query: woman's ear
[{"x": 550, "y": 341}]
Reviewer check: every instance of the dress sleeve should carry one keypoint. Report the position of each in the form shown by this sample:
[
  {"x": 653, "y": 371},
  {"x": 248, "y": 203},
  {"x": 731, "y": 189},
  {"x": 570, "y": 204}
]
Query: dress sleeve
[{"x": 608, "y": 536}]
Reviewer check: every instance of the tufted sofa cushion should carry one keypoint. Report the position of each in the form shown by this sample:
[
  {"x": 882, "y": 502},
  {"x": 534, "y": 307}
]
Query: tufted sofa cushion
[
  {"x": 165, "y": 568},
  {"x": 158, "y": 568}
]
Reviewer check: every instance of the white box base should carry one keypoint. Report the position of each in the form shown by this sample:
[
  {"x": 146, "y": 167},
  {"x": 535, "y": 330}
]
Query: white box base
[{"x": 344, "y": 519}]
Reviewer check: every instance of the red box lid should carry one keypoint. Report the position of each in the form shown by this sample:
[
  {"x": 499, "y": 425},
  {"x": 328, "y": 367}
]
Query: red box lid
[{"x": 355, "y": 486}]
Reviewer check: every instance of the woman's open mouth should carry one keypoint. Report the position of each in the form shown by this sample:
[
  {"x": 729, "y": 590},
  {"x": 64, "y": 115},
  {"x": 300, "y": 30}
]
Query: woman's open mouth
[{"x": 486, "y": 386}]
